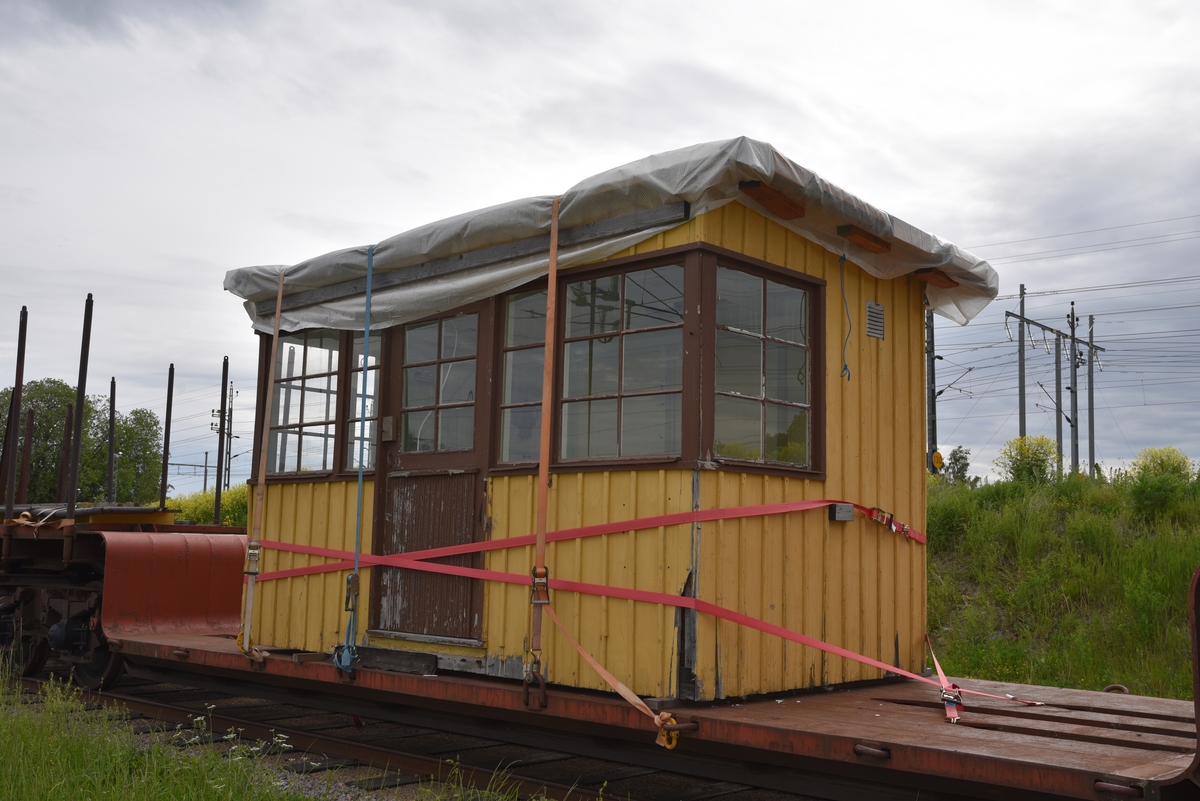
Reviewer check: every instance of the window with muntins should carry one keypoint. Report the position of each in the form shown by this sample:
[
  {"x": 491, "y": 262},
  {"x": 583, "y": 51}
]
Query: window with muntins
[
  {"x": 521, "y": 393},
  {"x": 438, "y": 385},
  {"x": 357, "y": 427},
  {"x": 304, "y": 403},
  {"x": 762, "y": 405},
  {"x": 622, "y": 369}
]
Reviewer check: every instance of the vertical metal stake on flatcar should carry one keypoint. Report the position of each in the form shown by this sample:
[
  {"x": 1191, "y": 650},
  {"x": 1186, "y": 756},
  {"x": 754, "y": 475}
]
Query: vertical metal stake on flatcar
[
  {"x": 26, "y": 458},
  {"x": 111, "y": 494},
  {"x": 64, "y": 456},
  {"x": 162, "y": 486},
  {"x": 77, "y": 438},
  {"x": 221, "y": 442},
  {"x": 10, "y": 447}
]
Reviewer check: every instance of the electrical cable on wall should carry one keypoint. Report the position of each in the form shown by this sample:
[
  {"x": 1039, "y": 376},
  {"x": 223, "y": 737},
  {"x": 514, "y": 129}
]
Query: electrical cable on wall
[{"x": 849, "y": 322}]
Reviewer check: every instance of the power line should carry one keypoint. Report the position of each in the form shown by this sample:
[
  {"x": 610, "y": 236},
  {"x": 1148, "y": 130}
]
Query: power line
[{"x": 1077, "y": 233}]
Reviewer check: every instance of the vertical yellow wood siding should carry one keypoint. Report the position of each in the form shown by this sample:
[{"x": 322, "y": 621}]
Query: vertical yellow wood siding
[
  {"x": 307, "y": 612},
  {"x": 855, "y": 585}
]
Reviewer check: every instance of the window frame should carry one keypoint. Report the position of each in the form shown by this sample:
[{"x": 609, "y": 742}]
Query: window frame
[
  {"x": 263, "y": 403},
  {"x": 485, "y": 406},
  {"x": 817, "y": 336}
]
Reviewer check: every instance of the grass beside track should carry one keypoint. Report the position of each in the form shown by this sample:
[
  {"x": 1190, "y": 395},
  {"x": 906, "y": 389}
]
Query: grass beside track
[
  {"x": 56, "y": 748},
  {"x": 1072, "y": 583}
]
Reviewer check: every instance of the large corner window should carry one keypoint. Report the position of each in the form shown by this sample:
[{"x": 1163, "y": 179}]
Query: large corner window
[
  {"x": 438, "y": 385},
  {"x": 762, "y": 406},
  {"x": 304, "y": 403},
  {"x": 623, "y": 365},
  {"x": 358, "y": 427},
  {"x": 521, "y": 393}
]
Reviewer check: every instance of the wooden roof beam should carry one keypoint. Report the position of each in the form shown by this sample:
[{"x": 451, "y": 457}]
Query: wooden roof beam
[
  {"x": 772, "y": 200},
  {"x": 864, "y": 239}
]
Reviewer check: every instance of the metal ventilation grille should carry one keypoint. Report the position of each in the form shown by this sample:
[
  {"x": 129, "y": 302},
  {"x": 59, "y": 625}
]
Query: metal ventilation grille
[{"x": 874, "y": 320}]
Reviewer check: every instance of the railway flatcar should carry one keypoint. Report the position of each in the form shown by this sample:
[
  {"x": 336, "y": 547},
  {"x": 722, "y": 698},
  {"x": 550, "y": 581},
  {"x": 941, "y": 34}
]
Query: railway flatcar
[{"x": 645, "y": 458}]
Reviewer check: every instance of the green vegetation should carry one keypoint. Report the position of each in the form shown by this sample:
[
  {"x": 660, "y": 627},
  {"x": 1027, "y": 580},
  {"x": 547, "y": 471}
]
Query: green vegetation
[
  {"x": 138, "y": 440},
  {"x": 55, "y": 749},
  {"x": 198, "y": 506},
  {"x": 1075, "y": 582}
]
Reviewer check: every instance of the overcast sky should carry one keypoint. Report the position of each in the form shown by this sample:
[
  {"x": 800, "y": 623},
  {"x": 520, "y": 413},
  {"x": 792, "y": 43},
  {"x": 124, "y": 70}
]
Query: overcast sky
[{"x": 146, "y": 148}]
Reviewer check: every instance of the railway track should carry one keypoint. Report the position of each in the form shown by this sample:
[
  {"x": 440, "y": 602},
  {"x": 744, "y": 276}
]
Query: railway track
[{"x": 406, "y": 754}]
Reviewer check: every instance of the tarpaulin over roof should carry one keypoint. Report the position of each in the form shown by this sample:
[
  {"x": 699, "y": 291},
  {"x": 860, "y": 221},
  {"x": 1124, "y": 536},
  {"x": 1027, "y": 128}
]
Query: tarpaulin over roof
[{"x": 476, "y": 255}]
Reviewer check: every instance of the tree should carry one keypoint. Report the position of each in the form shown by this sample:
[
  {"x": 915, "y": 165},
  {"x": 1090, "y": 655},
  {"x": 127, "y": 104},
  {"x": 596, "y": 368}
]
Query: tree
[
  {"x": 138, "y": 440},
  {"x": 957, "y": 466},
  {"x": 1027, "y": 459}
]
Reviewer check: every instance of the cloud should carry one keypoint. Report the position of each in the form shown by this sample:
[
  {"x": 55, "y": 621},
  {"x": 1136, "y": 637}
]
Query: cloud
[{"x": 58, "y": 21}]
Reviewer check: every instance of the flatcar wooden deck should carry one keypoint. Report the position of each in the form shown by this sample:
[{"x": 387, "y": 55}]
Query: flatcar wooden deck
[{"x": 1081, "y": 744}]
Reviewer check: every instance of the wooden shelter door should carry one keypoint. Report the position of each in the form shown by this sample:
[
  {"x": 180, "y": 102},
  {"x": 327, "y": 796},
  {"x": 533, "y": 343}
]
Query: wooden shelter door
[{"x": 429, "y": 511}]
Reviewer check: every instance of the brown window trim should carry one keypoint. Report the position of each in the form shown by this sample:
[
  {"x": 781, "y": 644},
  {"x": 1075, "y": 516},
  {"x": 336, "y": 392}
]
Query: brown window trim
[
  {"x": 688, "y": 412},
  {"x": 337, "y": 471},
  {"x": 713, "y": 257},
  {"x": 695, "y": 373},
  {"x": 392, "y": 378}
]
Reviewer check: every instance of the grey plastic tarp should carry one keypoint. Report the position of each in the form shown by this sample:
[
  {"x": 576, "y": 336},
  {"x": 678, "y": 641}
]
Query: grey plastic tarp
[{"x": 707, "y": 176}]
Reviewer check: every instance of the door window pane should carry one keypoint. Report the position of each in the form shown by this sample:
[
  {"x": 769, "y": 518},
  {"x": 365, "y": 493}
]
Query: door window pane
[
  {"x": 420, "y": 342},
  {"x": 458, "y": 382},
  {"x": 520, "y": 429},
  {"x": 787, "y": 434},
  {"x": 593, "y": 307},
  {"x": 787, "y": 373},
  {"x": 738, "y": 428},
  {"x": 590, "y": 367},
  {"x": 456, "y": 428},
  {"x": 653, "y": 360},
  {"x": 739, "y": 300},
  {"x": 651, "y": 424},
  {"x": 419, "y": 386},
  {"x": 354, "y": 433},
  {"x": 417, "y": 432},
  {"x": 589, "y": 429},
  {"x": 738, "y": 364},
  {"x": 654, "y": 297},
  {"x": 459, "y": 336}
]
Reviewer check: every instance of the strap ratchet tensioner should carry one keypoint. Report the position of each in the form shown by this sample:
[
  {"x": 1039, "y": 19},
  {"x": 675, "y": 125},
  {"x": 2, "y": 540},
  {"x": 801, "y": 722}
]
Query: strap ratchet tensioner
[
  {"x": 253, "y": 551},
  {"x": 540, "y": 591}
]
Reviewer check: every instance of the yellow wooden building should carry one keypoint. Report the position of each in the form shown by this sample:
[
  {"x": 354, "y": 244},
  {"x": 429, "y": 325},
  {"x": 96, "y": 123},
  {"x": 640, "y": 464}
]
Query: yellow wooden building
[{"x": 732, "y": 331}]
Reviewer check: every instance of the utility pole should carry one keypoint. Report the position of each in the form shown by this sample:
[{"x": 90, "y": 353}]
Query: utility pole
[
  {"x": 205, "y": 471},
  {"x": 1074, "y": 393},
  {"x": 1091, "y": 400},
  {"x": 221, "y": 441},
  {"x": 1076, "y": 343},
  {"x": 1058, "y": 399},
  {"x": 229, "y": 437},
  {"x": 931, "y": 393},
  {"x": 1021, "y": 365}
]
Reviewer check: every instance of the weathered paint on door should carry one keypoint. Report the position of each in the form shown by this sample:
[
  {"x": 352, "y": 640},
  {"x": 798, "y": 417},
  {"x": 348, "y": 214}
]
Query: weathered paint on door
[{"x": 430, "y": 511}]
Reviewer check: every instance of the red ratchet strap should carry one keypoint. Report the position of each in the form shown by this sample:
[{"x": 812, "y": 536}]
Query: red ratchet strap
[
  {"x": 647, "y": 596},
  {"x": 619, "y": 527}
]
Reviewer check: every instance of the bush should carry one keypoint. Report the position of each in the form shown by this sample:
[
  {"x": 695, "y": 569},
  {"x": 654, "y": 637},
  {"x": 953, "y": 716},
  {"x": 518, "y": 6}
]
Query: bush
[
  {"x": 1155, "y": 495},
  {"x": 1168, "y": 461},
  {"x": 1028, "y": 460},
  {"x": 957, "y": 466},
  {"x": 198, "y": 506}
]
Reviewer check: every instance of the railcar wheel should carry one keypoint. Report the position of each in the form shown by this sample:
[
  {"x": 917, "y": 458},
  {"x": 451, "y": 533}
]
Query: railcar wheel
[{"x": 101, "y": 672}]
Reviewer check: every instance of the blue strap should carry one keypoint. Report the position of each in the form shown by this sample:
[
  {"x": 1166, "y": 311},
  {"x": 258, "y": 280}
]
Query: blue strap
[
  {"x": 849, "y": 322},
  {"x": 346, "y": 656}
]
